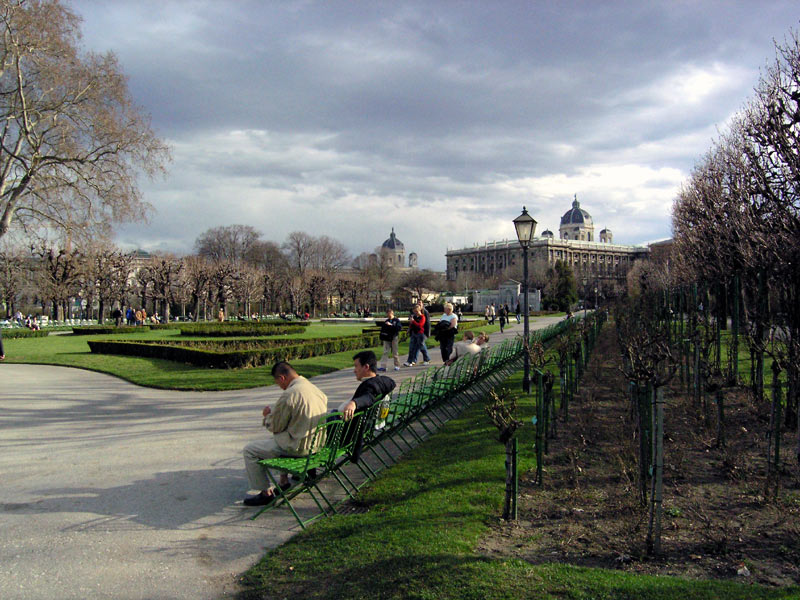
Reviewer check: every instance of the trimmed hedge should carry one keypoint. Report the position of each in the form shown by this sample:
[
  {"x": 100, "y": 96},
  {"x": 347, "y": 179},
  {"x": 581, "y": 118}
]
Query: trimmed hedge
[
  {"x": 252, "y": 343},
  {"x": 106, "y": 329},
  {"x": 10, "y": 334},
  {"x": 233, "y": 359},
  {"x": 238, "y": 329}
]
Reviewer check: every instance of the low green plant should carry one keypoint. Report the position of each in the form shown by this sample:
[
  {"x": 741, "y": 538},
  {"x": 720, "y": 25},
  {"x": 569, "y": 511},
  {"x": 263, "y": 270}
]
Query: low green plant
[
  {"x": 240, "y": 328},
  {"x": 233, "y": 358},
  {"x": 109, "y": 329},
  {"x": 11, "y": 334}
]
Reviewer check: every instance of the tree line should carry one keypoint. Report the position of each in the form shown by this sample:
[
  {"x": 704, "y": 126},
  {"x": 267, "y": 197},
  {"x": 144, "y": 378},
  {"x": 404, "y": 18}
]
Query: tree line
[
  {"x": 232, "y": 267},
  {"x": 737, "y": 219}
]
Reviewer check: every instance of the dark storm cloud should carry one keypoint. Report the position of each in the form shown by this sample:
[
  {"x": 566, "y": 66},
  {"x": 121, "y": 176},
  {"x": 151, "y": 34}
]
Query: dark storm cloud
[{"x": 347, "y": 118}]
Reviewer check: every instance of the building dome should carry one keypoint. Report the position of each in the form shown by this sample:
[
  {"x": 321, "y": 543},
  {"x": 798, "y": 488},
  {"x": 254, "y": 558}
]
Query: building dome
[
  {"x": 576, "y": 224},
  {"x": 576, "y": 215},
  {"x": 547, "y": 234},
  {"x": 393, "y": 243}
]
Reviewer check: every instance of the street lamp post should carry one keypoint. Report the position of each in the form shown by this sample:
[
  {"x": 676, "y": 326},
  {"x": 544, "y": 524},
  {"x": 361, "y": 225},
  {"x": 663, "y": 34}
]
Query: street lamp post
[
  {"x": 525, "y": 226},
  {"x": 585, "y": 290}
]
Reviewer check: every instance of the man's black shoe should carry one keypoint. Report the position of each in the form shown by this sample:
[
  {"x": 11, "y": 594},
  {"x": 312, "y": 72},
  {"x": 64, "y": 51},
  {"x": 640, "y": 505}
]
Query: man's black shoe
[{"x": 260, "y": 499}]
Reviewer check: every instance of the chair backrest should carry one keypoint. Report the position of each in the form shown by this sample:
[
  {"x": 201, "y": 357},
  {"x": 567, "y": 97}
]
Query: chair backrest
[
  {"x": 349, "y": 432},
  {"x": 327, "y": 433}
]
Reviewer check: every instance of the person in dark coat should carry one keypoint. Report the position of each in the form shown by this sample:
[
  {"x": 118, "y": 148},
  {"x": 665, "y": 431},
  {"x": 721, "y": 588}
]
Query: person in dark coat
[{"x": 390, "y": 336}]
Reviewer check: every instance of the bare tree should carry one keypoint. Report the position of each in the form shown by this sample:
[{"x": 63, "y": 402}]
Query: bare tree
[
  {"x": 232, "y": 243},
  {"x": 12, "y": 276},
  {"x": 163, "y": 272},
  {"x": 247, "y": 287},
  {"x": 419, "y": 283},
  {"x": 59, "y": 278},
  {"x": 71, "y": 137},
  {"x": 196, "y": 280},
  {"x": 223, "y": 279},
  {"x": 299, "y": 249},
  {"x": 107, "y": 273}
]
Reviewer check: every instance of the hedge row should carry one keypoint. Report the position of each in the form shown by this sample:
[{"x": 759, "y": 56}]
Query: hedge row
[
  {"x": 106, "y": 329},
  {"x": 10, "y": 334},
  {"x": 239, "y": 328},
  {"x": 251, "y": 343},
  {"x": 233, "y": 359}
]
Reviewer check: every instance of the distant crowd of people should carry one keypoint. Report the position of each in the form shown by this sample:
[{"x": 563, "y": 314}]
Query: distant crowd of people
[{"x": 134, "y": 317}]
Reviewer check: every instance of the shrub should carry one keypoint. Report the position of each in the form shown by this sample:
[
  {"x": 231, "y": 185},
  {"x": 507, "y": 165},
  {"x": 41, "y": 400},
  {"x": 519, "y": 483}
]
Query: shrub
[
  {"x": 106, "y": 329},
  {"x": 10, "y": 334},
  {"x": 232, "y": 359},
  {"x": 239, "y": 328}
]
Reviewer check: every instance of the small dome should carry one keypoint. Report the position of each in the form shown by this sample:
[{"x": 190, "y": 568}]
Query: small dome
[
  {"x": 576, "y": 215},
  {"x": 393, "y": 243},
  {"x": 547, "y": 234}
]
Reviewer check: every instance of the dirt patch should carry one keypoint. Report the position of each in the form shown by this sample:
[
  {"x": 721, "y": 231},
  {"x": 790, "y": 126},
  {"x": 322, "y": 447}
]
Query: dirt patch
[{"x": 716, "y": 524}]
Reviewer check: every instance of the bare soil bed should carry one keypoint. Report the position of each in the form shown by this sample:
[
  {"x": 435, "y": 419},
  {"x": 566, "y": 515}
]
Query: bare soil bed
[{"x": 717, "y": 524}]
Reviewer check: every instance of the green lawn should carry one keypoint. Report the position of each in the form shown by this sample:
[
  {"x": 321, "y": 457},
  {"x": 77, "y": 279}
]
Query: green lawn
[
  {"x": 73, "y": 351},
  {"x": 426, "y": 517}
]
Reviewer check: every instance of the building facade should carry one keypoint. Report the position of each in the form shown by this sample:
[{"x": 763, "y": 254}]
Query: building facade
[
  {"x": 509, "y": 294},
  {"x": 576, "y": 247}
]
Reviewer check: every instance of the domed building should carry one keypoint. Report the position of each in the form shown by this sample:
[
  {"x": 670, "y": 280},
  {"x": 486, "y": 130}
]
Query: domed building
[
  {"x": 394, "y": 251},
  {"x": 589, "y": 258},
  {"x": 576, "y": 224}
]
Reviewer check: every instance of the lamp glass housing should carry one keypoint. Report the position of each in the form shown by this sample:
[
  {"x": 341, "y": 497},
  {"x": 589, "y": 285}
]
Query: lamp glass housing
[{"x": 525, "y": 226}]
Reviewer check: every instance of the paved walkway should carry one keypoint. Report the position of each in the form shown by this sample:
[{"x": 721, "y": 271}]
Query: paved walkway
[{"x": 109, "y": 490}]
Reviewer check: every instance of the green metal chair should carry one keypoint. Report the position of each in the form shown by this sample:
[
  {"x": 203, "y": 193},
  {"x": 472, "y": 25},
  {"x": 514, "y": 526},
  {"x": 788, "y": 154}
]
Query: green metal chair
[{"x": 325, "y": 441}]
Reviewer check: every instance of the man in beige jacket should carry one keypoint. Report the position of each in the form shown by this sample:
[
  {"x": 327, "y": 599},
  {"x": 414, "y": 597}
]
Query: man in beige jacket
[{"x": 292, "y": 421}]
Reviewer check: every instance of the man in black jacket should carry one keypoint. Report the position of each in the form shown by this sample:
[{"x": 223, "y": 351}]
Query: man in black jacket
[
  {"x": 390, "y": 336},
  {"x": 372, "y": 386}
]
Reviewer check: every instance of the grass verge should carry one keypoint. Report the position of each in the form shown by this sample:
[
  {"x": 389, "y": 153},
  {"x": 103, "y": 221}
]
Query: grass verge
[
  {"x": 419, "y": 537},
  {"x": 73, "y": 351}
]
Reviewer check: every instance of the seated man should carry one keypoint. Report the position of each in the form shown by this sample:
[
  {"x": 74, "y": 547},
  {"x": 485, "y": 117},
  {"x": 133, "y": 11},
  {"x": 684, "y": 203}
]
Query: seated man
[
  {"x": 467, "y": 345},
  {"x": 292, "y": 421},
  {"x": 372, "y": 386}
]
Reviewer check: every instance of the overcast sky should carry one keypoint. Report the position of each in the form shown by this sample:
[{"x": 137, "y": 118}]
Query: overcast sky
[{"x": 440, "y": 119}]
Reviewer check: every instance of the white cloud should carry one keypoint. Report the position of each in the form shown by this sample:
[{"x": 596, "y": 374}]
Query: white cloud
[{"x": 440, "y": 120}]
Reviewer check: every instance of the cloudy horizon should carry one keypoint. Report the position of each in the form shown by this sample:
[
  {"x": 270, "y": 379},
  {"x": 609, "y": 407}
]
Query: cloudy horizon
[{"x": 438, "y": 119}]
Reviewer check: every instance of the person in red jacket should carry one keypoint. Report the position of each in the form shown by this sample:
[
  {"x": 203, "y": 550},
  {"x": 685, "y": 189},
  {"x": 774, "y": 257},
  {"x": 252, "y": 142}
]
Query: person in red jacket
[{"x": 416, "y": 328}]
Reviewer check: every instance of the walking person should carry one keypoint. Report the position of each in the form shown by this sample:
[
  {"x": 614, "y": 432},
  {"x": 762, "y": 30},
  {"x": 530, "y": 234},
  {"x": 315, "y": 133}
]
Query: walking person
[
  {"x": 517, "y": 312},
  {"x": 492, "y": 313},
  {"x": 416, "y": 328},
  {"x": 446, "y": 331},
  {"x": 424, "y": 348},
  {"x": 502, "y": 314},
  {"x": 390, "y": 336}
]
